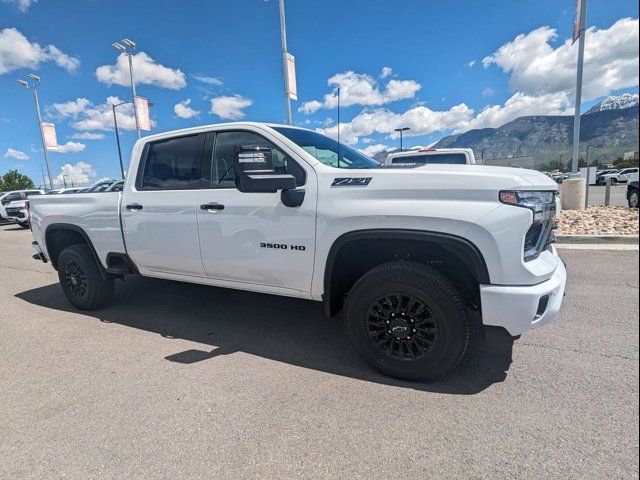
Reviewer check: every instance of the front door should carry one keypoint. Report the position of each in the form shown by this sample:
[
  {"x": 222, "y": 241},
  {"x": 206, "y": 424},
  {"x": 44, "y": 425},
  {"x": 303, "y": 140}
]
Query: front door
[
  {"x": 253, "y": 237},
  {"x": 159, "y": 212}
]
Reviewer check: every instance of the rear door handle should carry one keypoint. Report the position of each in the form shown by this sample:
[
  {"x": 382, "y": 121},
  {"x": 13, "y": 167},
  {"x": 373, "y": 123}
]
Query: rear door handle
[
  {"x": 211, "y": 206},
  {"x": 134, "y": 206}
]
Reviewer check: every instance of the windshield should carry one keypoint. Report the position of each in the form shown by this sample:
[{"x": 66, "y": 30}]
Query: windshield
[{"x": 327, "y": 150}]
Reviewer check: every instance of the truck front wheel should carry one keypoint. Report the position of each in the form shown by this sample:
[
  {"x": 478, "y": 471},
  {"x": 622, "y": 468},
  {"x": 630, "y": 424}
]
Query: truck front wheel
[
  {"x": 407, "y": 320},
  {"x": 81, "y": 280}
]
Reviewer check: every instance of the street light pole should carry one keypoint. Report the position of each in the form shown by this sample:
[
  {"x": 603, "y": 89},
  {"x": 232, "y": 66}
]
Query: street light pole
[
  {"x": 403, "y": 129},
  {"x": 285, "y": 64},
  {"x": 34, "y": 88},
  {"x": 128, "y": 49},
  {"x": 576, "y": 117},
  {"x": 115, "y": 124},
  {"x": 482, "y": 155}
]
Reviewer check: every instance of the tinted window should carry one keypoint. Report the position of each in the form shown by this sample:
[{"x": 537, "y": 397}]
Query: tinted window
[
  {"x": 28, "y": 194},
  {"x": 11, "y": 197},
  {"x": 438, "y": 158},
  {"x": 222, "y": 170},
  {"x": 117, "y": 187},
  {"x": 172, "y": 164}
]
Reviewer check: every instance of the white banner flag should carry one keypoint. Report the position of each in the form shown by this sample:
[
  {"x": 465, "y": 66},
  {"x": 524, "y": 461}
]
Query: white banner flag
[
  {"x": 142, "y": 108},
  {"x": 291, "y": 76},
  {"x": 49, "y": 134}
]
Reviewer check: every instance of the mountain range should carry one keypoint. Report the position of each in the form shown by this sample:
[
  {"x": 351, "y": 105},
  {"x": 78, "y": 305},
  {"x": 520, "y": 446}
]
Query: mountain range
[{"x": 611, "y": 125}]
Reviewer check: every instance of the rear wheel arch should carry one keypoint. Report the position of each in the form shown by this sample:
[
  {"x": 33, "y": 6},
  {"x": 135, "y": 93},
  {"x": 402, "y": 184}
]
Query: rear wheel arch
[
  {"x": 354, "y": 253},
  {"x": 62, "y": 235}
]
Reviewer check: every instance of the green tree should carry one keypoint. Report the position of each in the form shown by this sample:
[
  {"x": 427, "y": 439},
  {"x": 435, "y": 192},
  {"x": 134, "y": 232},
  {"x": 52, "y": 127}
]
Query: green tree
[{"x": 12, "y": 180}]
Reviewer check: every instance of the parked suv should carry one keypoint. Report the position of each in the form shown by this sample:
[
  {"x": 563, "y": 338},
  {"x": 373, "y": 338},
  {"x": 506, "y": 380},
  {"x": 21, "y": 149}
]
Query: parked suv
[
  {"x": 632, "y": 191},
  {"x": 14, "y": 195}
]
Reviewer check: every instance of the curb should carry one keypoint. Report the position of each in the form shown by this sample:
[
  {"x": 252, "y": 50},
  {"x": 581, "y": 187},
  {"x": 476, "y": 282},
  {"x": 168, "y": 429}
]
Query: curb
[{"x": 600, "y": 239}]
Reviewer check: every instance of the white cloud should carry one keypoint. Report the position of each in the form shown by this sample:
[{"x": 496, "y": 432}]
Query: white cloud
[
  {"x": 519, "y": 105},
  {"x": 371, "y": 150},
  {"x": 183, "y": 110},
  {"x": 17, "y": 52},
  {"x": 208, "y": 80},
  {"x": 22, "y": 5},
  {"x": 145, "y": 70},
  {"x": 386, "y": 71},
  {"x": 488, "y": 91},
  {"x": 422, "y": 120},
  {"x": 470, "y": 64},
  {"x": 71, "y": 147},
  {"x": 100, "y": 117},
  {"x": 17, "y": 154},
  {"x": 310, "y": 107},
  {"x": 361, "y": 89},
  {"x": 78, "y": 174},
  {"x": 88, "y": 136},
  {"x": 230, "y": 108},
  {"x": 68, "y": 109},
  {"x": 535, "y": 67}
]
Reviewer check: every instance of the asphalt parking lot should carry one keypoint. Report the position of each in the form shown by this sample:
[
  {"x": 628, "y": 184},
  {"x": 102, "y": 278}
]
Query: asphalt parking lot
[{"x": 186, "y": 381}]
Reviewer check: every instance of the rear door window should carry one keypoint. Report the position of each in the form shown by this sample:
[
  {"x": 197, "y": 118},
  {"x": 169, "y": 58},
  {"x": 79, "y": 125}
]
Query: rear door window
[{"x": 173, "y": 164}]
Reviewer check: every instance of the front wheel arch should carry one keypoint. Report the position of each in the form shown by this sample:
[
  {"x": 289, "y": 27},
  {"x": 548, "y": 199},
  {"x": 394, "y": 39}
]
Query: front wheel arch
[{"x": 344, "y": 266}]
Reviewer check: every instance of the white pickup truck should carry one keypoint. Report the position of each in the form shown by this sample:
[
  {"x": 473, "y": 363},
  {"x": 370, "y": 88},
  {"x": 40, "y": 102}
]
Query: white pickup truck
[
  {"x": 430, "y": 156},
  {"x": 406, "y": 253}
]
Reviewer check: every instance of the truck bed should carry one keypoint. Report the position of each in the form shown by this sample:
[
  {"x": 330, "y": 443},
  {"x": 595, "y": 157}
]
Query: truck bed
[{"x": 97, "y": 214}]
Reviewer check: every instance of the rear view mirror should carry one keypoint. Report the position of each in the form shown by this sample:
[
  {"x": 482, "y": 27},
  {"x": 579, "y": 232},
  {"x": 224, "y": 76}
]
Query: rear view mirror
[{"x": 254, "y": 170}]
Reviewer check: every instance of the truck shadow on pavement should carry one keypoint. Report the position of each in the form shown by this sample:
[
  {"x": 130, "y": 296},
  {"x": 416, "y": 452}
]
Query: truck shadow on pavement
[{"x": 284, "y": 329}]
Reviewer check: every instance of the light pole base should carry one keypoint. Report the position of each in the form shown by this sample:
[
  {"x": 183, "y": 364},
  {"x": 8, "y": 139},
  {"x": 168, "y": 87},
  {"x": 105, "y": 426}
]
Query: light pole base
[{"x": 573, "y": 193}]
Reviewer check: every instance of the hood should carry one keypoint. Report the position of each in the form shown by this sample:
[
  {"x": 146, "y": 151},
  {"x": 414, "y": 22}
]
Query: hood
[{"x": 473, "y": 177}]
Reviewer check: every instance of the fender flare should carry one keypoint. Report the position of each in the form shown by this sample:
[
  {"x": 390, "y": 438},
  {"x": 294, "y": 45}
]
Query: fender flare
[
  {"x": 82, "y": 233},
  {"x": 459, "y": 246}
]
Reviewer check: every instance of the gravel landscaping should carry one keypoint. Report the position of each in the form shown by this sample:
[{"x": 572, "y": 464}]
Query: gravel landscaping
[{"x": 599, "y": 221}]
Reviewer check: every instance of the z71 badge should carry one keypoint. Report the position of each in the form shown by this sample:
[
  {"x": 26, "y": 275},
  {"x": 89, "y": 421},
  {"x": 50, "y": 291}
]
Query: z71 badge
[{"x": 351, "y": 182}]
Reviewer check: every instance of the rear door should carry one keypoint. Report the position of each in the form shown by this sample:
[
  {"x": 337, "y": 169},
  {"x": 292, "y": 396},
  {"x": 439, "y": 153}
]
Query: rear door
[{"x": 159, "y": 210}]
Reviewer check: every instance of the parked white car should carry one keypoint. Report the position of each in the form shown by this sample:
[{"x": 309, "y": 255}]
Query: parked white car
[
  {"x": 431, "y": 156},
  {"x": 14, "y": 195},
  {"x": 405, "y": 253},
  {"x": 621, "y": 176}
]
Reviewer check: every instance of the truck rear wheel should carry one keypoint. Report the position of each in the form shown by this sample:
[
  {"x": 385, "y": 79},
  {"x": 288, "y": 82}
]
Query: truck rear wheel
[
  {"x": 81, "y": 280},
  {"x": 407, "y": 320}
]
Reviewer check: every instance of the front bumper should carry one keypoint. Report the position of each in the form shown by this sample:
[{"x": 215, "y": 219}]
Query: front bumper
[{"x": 519, "y": 309}]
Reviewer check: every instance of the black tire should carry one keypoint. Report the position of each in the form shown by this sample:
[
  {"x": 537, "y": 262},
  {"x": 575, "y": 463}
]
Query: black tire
[
  {"x": 440, "y": 326},
  {"x": 633, "y": 199},
  {"x": 23, "y": 225},
  {"x": 81, "y": 280}
]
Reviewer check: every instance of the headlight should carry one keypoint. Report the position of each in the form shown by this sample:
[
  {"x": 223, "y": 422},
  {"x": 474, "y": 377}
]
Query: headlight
[{"x": 543, "y": 205}]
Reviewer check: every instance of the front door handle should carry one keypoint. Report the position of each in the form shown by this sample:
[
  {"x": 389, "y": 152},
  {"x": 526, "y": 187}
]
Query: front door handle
[
  {"x": 211, "y": 206},
  {"x": 134, "y": 206}
]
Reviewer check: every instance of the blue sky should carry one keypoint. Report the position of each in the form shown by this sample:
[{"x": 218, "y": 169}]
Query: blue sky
[{"x": 439, "y": 67}]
